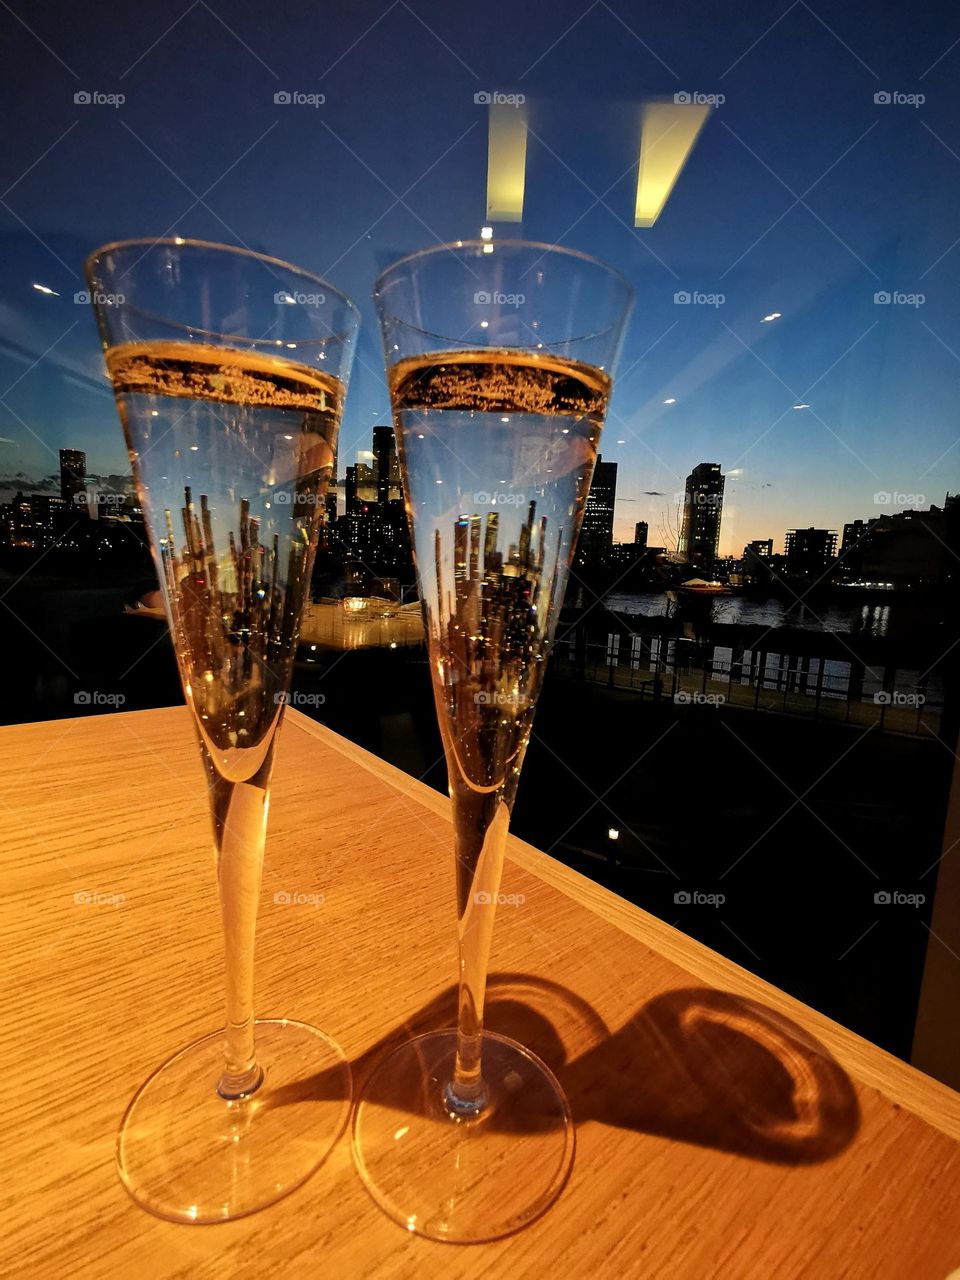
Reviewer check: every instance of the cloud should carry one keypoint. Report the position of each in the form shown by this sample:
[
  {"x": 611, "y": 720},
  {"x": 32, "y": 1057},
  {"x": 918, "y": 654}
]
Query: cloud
[{"x": 20, "y": 480}]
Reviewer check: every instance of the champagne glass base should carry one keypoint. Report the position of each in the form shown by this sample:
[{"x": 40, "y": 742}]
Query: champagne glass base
[
  {"x": 188, "y": 1155},
  {"x": 462, "y": 1179}
]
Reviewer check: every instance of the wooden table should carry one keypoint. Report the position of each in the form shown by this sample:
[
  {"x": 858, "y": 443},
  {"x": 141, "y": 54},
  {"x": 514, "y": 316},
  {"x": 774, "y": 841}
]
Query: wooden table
[{"x": 724, "y": 1129}]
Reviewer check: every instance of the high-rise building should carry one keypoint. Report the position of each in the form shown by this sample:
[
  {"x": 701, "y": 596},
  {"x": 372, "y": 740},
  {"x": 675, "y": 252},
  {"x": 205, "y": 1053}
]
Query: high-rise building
[
  {"x": 373, "y": 528},
  {"x": 702, "y": 508},
  {"x": 492, "y": 557},
  {"x": 640, "y": 532},
  {"x": 853, "y": 532},
  {"x": 356, "y": 486},
  {"x": 350, "y": 491},
  {"x": 386, "y": 465},
  {"x": 596, "y": 532},
  {"x": 809, "y": 551},
  {"x": 762, "y": 548},
  {"x": 910, "y": 548},
  {"x": 73, "y": 473},
  {"x": 47, "y": 512},
  {"x": 758, "y": 562}
]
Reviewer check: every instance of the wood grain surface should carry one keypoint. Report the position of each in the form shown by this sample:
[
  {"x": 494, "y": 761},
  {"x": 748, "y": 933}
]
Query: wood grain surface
[{"x": 723, "y": 1128}]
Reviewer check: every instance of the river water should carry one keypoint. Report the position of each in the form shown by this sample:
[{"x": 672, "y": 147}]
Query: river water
[
  {"x": 868, "y": 619},
  {"x": 871, "y": 619}
]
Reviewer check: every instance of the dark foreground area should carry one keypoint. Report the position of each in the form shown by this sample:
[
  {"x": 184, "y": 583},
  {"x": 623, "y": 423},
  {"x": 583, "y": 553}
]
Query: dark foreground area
[{"x": 807, "y": 852}]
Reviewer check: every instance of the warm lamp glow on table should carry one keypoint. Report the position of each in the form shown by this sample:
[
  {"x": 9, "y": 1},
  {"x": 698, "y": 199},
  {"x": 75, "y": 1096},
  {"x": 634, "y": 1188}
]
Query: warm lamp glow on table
[{"x": 723, "y": 1128}]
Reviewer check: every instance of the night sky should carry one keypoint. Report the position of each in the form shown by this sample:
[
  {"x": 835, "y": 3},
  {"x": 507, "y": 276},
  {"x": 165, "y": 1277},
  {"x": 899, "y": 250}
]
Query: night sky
[{"x": 803, "y": 196}]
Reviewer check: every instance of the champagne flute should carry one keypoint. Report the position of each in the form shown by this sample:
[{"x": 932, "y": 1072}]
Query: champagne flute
[
  {"x": 499, "y": 359},
  {"x": 229, "y": 370}
]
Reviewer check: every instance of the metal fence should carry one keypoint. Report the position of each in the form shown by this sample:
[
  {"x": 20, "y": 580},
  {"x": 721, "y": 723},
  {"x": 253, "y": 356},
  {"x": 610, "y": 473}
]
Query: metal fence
[{"x": 672, "y": 668}]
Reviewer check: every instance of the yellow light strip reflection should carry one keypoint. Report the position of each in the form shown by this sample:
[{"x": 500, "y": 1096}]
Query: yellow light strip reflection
[
  {"x": 668, "y": 135},
  {"x": 506, "y": 162}
]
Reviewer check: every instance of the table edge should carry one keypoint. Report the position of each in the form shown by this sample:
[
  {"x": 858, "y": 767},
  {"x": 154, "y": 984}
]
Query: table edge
[{"x": 900, "y": 1082}]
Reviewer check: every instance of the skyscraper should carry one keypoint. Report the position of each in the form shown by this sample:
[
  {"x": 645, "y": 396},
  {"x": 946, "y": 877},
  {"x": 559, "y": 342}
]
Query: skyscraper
[
  {"x": 596, "y": 532},
  {"x": 702, "y": 508},
  {"x": 640, "y": 533},
  {"x": 350, "y": 490},
  {"x": 386, "y": 465},
  {"x": 73, "y": 473}
]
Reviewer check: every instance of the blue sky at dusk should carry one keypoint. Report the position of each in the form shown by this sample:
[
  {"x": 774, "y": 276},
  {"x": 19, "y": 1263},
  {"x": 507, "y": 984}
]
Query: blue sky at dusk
[{"x": 803, "y": 196}]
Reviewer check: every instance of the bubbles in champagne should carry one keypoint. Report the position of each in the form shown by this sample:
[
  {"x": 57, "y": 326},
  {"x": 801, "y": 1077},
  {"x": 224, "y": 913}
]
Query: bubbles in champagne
[
  {"x": 193, "y": 371},
  {"x": 498, "y": 449},
  {"x": 232, "y": 451}
]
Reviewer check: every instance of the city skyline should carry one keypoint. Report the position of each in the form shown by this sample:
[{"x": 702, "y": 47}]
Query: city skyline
[
  {"x": 655, "y": 507},
  {"x": 380, "y": 478},
  {"x": 365, "y": 513}
]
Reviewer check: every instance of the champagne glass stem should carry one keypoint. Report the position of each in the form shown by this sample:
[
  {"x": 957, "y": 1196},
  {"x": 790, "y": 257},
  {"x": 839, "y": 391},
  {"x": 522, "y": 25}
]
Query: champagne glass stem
[
  {"x": 481, "y": 821},
  {"x": 240, "y": 843}
]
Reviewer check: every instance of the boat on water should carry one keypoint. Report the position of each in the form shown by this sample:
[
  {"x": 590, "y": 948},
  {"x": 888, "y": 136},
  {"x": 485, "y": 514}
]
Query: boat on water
[{"x": 701, "y": 587}]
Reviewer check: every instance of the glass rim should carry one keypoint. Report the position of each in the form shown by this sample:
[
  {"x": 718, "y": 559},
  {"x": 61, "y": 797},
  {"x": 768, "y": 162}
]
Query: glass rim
[
  {"x": 180, "y": 242},
  {"x": 453, "y": 246}
]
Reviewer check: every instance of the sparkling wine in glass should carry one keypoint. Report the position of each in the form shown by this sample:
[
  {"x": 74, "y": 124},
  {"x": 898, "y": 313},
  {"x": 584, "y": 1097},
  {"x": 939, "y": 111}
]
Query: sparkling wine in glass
[
  {"x": 229, "y": 371},
  {"x": 499, "y": 361}
]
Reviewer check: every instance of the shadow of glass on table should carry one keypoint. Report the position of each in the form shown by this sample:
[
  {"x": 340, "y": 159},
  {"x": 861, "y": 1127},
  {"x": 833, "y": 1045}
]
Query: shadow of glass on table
[{"x": 693, "y": 1064}]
